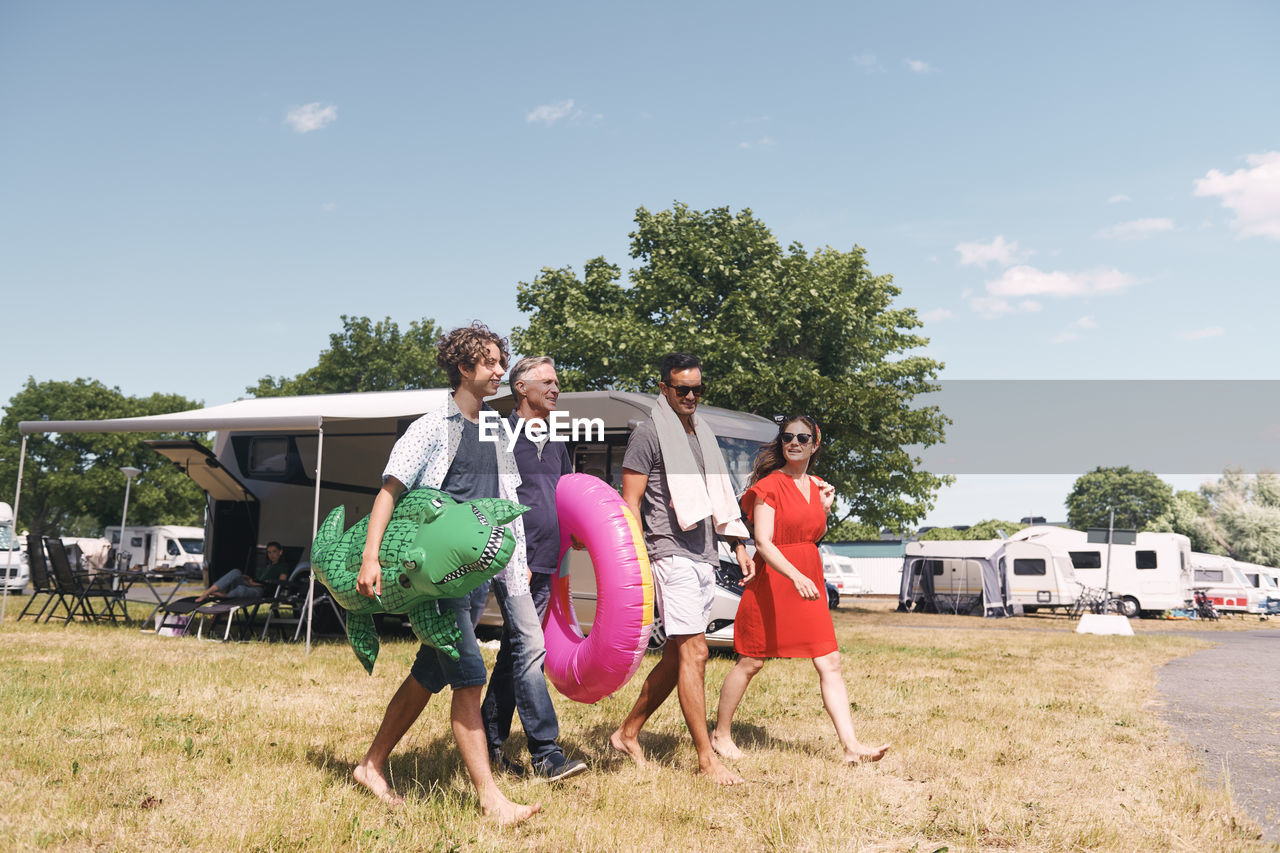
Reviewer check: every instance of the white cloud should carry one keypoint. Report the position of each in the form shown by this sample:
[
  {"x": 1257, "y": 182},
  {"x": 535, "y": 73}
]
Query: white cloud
[
  {"x": 981, "y": 254},
  {"x": 919, "y": 66},
  {"x": 1022, "y": 281},
  {"x": 994, "y": 306},
  {"x": 1072, "y": 332},
  {"x": 1116, "y": 199},
  {"x": 1201, "y": 334},
  {"x": 1253, "y": 194},
  {"x": 937, "y": 315},
  {"x": 1137, "y": 229},
  {"x": 762, "y": 142},
  {"x": 868, "y": 63},
  {"x": 553, "y": 112},
  {"x": 309, "y": 117}
]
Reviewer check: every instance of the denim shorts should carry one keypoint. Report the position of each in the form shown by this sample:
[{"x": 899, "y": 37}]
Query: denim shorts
[{"x": 434, "y": 670}]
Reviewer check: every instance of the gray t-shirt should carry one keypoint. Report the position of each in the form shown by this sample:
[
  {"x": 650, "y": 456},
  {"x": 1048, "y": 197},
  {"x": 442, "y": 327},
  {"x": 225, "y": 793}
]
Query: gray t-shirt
[
  {"x": 662, "y": 534},
  {"x": 474, "y": 471}
]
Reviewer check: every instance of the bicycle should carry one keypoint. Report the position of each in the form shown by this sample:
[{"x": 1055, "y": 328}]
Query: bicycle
[
  {"x": 1204, "y": 608},
  {"x": 1095, "y": 600}
]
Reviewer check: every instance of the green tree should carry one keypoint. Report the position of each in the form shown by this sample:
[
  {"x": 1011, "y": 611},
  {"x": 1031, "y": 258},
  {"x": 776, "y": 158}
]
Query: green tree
[
  {"x": 1139, "y": 497},
  {"x": 1188, "y": 515},
  {"x": 1243, "y": 516},
  {"x": 366, "y": 356},
  {"x": 72, "y": 483},
  {"x": 992, "y": 528},
  {"x": 778, "y": 331}
]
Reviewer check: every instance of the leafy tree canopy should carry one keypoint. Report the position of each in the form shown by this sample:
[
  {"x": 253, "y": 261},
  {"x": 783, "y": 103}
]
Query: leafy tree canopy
[
  {"x": 778, "y": 331},
  {"x": 72, "y": 483},
  {"x": 992, "y": 528},
  {"x": 1188, "y": 515},
  {"x": 1139, "y": 497},
  {"x": 1242, "y": 516},
  {"x": 366, "y": 356}
]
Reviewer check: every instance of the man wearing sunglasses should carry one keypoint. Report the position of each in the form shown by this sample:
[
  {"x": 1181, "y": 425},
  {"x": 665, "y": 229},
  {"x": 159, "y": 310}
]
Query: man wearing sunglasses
[{"x": 675, "y": 481}]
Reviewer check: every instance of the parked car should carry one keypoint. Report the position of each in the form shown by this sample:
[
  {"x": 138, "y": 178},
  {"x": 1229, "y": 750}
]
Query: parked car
[
  {"x": 840, "y": 571},
  {"x": 12, "y": 555}
]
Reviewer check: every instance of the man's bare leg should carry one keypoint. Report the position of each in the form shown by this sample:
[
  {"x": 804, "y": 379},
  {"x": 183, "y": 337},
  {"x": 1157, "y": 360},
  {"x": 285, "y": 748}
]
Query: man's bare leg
[
  {"x": 835, "y": 696},
  {"x": 657, "y": 686},
  {"x": 468, "y": 731},
  {"x": 731, "y": 693},
  {"x": 404, "y": 708},
  {"x": 692, "y": 690}
]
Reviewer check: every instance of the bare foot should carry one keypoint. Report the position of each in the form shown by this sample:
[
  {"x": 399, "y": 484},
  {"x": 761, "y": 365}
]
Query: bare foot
[
  {"x": 721, "y": 775},
  {"x": 506, "y": 813},
  {"x": 371, "y": 777},
  {"x": 863, "y": 755},
  {"x": 725, "y": 747},
  {"x": 627, "y": 746}
]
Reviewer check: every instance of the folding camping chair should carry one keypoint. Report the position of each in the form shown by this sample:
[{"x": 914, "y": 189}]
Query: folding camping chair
[
  {"x": 41, "y": 583},
  {"x": 84, "y": 588},
  {"x": 178, "y": 616},
  {"x": 293, "y": 596}
]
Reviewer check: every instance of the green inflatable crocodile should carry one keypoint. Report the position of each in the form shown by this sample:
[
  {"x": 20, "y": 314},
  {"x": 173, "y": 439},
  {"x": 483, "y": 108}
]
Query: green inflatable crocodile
[{"x": 434, "y": 548}]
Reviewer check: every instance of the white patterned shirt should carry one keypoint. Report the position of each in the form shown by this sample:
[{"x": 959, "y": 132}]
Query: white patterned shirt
[{"x": 421, "y": 459}]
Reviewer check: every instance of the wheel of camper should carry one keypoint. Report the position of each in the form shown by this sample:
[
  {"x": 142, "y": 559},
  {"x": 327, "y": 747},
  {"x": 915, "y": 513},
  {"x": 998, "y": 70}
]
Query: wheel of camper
[{"x": 1129, "y": 606}]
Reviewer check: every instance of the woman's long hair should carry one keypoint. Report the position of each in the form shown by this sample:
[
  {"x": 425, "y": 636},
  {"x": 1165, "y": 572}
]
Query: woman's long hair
[{"x": 770, "y": 457}]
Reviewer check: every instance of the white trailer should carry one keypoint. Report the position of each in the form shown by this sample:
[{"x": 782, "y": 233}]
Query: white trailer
[
  {"x": 1264, "y": 579},
  {"x": 13, "y": 557},
  {"x": 1151, "y": 576},
  {"x": 1225, "y": 585},
  {"x": 1037, "y": 577},
  {"x": 159, "y": 546}
]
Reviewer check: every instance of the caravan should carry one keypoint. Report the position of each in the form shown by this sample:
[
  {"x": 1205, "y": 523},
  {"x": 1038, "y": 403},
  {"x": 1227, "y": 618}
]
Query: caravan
[
  {"x": 1151, "y": 576},
  {"x": 13, "y": 559},
  {"x": 955, "y": 576},
  {"x": 165, "y": 547},
  {"x": 1225, "y": 585},
  {"x": 1266, "y": 580},
  {"x": 1037, "y": 577}
]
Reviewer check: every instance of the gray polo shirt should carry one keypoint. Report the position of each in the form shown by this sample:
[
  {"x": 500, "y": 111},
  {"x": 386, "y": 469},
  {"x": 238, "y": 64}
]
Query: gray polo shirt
[{"x": 662, "y": 534}]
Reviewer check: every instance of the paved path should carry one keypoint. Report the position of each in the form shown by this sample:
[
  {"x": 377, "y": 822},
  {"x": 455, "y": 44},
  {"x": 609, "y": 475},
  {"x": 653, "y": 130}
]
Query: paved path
[{"x": 1225, "y": 702}]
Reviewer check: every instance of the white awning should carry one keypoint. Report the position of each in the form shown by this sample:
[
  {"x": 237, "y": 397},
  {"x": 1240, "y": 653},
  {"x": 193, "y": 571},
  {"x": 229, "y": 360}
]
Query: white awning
[{"x": 262, "y": 413}]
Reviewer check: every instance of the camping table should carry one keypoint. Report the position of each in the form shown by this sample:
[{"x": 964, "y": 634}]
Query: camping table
[{"x": 129, "y": 577}]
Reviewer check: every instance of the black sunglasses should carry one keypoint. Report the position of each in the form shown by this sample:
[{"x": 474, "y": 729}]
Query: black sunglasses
[
  {"x": 802, "y": 437},
  {"x": 686, "y": 390}
]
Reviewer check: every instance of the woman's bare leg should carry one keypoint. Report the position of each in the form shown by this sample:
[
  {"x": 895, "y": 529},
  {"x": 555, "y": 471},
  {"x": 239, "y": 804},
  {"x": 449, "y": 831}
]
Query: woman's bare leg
[
  {"x": 731, "y": 693},
  {"x": 835, "y": 697}
]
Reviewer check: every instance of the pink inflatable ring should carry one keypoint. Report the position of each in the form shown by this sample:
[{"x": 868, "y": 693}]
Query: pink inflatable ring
[{"x": 587, "y": 669}]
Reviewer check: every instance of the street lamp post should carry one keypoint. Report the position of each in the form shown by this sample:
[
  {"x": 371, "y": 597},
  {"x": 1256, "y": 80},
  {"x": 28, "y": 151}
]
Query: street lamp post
[{"x": 129, "y": 473}]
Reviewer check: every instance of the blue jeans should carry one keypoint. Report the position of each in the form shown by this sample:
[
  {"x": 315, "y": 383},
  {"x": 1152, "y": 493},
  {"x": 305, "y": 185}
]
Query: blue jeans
[
  {"x": 433, "y": 669},
  {"x": 232, "y": 585},
  {"x": 517, "y": 683}
]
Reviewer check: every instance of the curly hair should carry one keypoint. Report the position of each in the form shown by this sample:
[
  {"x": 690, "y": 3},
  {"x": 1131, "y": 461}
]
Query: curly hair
[
  {"x": 770, "y": 457},
  {"x": 466, "y": 346}
]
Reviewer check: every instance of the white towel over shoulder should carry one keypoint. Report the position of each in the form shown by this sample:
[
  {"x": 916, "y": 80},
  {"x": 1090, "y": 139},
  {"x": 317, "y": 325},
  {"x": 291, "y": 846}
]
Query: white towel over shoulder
[{"x": 693, "y": 496}]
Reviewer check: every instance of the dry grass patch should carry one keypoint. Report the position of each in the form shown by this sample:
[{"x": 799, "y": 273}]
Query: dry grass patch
[{"x": 1026, "y": 740}]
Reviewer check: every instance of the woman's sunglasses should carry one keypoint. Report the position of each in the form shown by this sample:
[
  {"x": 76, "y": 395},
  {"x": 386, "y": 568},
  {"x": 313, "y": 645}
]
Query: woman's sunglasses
[{"x": 802, "y": 437}]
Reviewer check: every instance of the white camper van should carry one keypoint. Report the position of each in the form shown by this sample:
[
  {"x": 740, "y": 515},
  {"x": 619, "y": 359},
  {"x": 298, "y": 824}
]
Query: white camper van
[
  {"x": 268, "y": 453},
  {"x": 1151, "y": 576},
  {"x": 1036, "y": 576},
  {"x": 12, "y": 556},
  {"x": 1266, "y": 580},
  {"x": 1225, "y": 585},
  {"x": 164, "y": 546}
]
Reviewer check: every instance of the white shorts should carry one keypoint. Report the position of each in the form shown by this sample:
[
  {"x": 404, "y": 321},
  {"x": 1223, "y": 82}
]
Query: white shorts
[{"x": 684, "y": 589}]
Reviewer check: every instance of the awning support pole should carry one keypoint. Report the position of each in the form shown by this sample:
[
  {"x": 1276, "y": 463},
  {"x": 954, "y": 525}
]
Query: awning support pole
[
  {"x": 13, "y": 535},
  {"x": 315, "y": 529}
]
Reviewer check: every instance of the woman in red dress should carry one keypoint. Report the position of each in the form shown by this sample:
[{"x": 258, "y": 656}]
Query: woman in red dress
[{"x": 783, "y": 613}]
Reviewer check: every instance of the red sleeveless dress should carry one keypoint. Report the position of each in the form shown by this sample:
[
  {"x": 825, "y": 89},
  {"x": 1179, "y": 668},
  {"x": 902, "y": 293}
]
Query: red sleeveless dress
[{"x": 773, "y": 621}]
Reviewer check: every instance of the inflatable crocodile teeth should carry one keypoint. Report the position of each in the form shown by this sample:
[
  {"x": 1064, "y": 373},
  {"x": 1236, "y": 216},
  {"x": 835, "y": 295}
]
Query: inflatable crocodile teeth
[{"x": 433, "y": 548}]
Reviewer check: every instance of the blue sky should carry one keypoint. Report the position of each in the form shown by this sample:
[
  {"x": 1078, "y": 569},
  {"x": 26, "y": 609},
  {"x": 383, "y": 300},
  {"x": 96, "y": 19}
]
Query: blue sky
[{"x": 191, "y": 194}]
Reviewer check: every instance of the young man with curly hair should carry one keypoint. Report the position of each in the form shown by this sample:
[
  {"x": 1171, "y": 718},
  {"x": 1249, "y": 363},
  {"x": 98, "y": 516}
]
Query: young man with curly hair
[{"x": 442, "y": 450}]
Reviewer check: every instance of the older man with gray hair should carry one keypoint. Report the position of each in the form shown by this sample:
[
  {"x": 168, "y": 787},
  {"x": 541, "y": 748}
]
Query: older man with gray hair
[{"x": 517, "y": 682}]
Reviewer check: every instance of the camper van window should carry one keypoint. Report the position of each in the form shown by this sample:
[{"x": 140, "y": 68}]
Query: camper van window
[
  {"x": 1145, "y": 559},
  {"x": 1028, "y": 567},
  {"x": 268, "y": 456},
  {"x": 1086, "y": 559},
  {"x": 192, "y": 546},
  {"x": 135, "y": 541},
  {"x": 172, "y": 549},
  {"x": 1209, "y": 575},
  {"x": 739, "y": 455}
]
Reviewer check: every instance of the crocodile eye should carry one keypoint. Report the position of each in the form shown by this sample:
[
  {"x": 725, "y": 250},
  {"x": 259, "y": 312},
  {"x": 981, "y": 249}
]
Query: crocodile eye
[{"x": 410, "y": 565}]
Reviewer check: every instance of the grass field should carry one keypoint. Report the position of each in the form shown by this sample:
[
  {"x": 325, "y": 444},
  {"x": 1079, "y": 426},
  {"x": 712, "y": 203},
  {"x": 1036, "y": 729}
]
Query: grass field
[{"x": 1010, "y": 734}]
